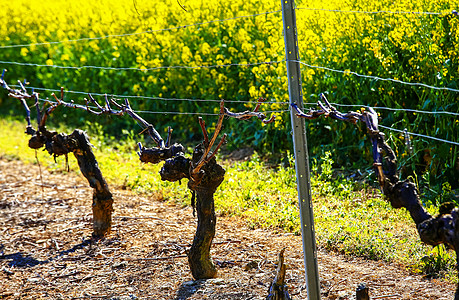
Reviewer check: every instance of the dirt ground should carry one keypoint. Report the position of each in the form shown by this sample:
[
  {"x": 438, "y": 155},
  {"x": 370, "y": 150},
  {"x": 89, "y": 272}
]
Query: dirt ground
[{"x": 46, "y": 253}]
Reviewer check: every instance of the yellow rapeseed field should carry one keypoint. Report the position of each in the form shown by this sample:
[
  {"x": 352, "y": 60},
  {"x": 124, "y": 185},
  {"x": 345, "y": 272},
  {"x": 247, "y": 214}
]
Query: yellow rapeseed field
[
  {"x": 412, "y": 47},
  {"x": 327, "y": 38}
]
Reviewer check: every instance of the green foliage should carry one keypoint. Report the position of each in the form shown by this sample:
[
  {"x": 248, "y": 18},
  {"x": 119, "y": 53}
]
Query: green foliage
[
  {"x": 408, "y": 47},
  {"x": 438, "y": 262},
  {"x": 325, "y": 182}
]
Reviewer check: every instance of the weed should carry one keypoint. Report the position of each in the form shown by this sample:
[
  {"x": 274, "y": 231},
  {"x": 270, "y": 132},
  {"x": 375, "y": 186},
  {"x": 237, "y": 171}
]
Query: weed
[{"x": 438, "y": 262}]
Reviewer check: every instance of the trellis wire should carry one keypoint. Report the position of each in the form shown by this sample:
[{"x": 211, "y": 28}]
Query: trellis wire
[
  {"x": 379, "y": 78},
  {"x": 241, "y": 101},
  {"x": 441, "y": 112},
  {"x": 398, "y": 130},
  {"x": 246, "y": 65},
  {"x": 198, "y": 113},
  {"x": 419, "y": 135},
  {"x": 164, "y": 112},
  {"x": 139, "y": 33},
  {"x": 151, "y": 98},
  {"x": 378, "y": 11},
  {"x": 141, "y": 69}
]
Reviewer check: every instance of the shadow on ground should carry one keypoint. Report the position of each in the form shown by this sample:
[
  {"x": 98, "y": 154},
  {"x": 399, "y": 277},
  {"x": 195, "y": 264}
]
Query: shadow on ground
[{"x": 188, "y": 289}]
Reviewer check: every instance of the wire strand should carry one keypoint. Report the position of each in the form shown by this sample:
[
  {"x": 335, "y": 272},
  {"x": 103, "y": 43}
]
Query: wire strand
[
  {"x": 197, "y": 113},
  {"x": 151, "y": 98},
  {"x": 142, "y": 69},
  {"x": 375, "y": 12},
  {"x": 399, "y": 109},
  {"x": 420, "y": 135},
  {"x": 378, "y": 78},
  {"x": 139, "y": 33},
  {"x": 165, "y": 112},
  {"x": 276, "y": 111}
]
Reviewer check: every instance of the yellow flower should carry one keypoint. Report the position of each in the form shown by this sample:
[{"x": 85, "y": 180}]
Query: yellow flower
[
  {"x": 24, "y": 51},
  {"x": 253, "y": 92},
  {"x": 205, "y": 48}
]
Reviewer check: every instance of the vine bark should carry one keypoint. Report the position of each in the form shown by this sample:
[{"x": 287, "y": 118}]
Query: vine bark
[
  {"x": 432, "y": 230},
  {"x": 78, "y": 143}
]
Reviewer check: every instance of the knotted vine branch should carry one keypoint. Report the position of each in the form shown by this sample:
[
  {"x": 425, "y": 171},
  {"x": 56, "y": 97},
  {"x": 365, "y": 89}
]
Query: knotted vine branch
[
  {"x": 61, "y": 144},
  {"x": 441, "y": 229}
]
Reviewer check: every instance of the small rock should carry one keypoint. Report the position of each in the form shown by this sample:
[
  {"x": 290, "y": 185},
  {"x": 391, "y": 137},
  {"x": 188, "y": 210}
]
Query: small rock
[
  {"x": 342, "y": 295},
  {"x": 189, "y": 283}
]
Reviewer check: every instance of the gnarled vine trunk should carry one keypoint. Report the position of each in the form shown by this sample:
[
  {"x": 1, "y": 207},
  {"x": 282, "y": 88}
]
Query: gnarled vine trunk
[
  {"x": 102, "y": 200},
  {"x": 442, "y": 229},
  {"x": 199, "y": 259},
  {"x": 78, "y": 143},
  {"x": 203, "y": 186},
  {"x": 203, "y": 173}
]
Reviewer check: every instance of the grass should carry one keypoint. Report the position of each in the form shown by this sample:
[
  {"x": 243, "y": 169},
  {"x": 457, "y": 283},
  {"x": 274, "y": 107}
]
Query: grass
[{"x": 350, "y": 217}]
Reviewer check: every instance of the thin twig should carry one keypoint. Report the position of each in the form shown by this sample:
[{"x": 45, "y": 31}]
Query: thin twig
[
  {"x": 222, "y": 141},
  {"x": 245, "y": 115},
  {"x": 386, "y": 296},
  {"x": 218, "y": 128},
  {"x": 202, "y": 123},
  {"x": 157, "y": 258},
  {"x": 183, "y": 7},
  {"x": 227, "y": 242}
]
